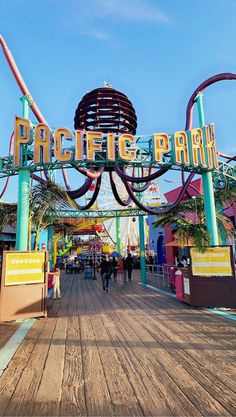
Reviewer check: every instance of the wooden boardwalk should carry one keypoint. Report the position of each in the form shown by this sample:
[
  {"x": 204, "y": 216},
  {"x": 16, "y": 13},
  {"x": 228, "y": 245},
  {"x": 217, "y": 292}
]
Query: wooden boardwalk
[
  {"x": 6, "y": 332},
  {"x": 129, "y": 352}
]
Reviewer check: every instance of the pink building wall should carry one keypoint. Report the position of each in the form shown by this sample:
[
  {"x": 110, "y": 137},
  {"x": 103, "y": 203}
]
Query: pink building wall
[{"x": 171, "y": 251}]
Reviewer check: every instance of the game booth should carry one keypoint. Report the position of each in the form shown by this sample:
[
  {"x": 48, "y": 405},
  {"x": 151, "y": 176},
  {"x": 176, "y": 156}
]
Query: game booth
[{"x": 209, "y": 280}]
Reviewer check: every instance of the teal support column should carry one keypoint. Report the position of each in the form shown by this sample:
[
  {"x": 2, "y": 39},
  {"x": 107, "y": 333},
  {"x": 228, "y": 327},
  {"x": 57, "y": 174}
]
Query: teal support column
[
  {"x": 23, "y": 196},
  {"x": 50, "y": 245},
  {"x": 142, "y": 249},
  {"x": 23, "y": 210},
  {"x": 142, "y": 243},
  {"x": 208, "y": 191},
  {"x": 118, "y": 243},
  {"x": 221, "y": 230}
]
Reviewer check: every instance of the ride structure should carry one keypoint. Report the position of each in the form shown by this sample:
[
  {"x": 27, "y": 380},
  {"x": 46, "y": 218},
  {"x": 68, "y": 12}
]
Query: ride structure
[{"x": 104, "y": 141}]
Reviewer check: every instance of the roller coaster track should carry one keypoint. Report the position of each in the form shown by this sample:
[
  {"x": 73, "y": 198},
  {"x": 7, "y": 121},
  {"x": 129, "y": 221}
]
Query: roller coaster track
[{"x": 225, "y": 176}]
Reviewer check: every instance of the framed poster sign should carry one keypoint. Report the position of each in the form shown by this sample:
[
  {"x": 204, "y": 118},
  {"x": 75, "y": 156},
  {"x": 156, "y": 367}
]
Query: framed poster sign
[
  {"x": 215, "y": 261},
  {"x": 24, "y": 268}
]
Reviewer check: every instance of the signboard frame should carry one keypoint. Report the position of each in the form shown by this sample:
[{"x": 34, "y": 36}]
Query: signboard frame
[
  {"x": 215, "y": 267},
  {"x": 32, "y": 275},
  {"x": 25, "y": 299}
]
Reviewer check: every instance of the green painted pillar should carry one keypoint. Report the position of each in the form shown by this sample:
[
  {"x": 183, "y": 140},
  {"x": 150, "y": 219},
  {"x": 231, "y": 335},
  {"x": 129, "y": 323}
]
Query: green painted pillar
[
  {"x": 142, "y": 243},
  {"x": 208, "y": 191},
  {"x": 118, "y": 243},
  {"x": 23, "y": 210},
  {"x": 142, "y": 249},
  {"x": 221, "y": 230},
  {"x": 50, "y": 245},
  {"x": 23, "y": 196}
]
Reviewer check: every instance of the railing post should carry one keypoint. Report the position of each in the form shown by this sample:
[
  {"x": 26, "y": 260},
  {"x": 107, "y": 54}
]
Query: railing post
[{"x": 142, "y": 250}]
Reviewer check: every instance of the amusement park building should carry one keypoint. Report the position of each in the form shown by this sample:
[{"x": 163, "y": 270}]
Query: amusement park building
[
  {"x": 8, "y": 238},
  {"x": 162, "y": 240}
]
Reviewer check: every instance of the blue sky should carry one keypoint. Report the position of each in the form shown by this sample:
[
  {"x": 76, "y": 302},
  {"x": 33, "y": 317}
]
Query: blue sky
[{"x": 155, "y": 51}]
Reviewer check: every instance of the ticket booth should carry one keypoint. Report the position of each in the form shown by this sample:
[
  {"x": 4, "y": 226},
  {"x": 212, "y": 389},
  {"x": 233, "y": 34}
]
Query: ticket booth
[
  {"x": 23, "y": 289},
  {"x": 210, "y": 279}
]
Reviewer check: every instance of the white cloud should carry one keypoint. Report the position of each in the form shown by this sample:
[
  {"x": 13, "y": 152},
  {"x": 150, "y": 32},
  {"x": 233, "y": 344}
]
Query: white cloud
[
  {"x": 96, "y": 34},
  {"x": 93, "y": 18},
  {"x": 131, "y": 10}
]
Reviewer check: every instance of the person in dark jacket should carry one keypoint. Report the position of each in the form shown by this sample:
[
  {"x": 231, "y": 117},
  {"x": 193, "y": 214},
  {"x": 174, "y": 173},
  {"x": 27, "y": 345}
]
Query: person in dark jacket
[
  {"x": 113, "y": 265},
  {"x": 105, "y": 273},
  {"x": 129, "y": 266}
]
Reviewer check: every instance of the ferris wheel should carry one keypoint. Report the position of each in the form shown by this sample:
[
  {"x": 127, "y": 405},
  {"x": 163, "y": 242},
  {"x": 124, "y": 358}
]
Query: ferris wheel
[{"x": 129, "y": 228}]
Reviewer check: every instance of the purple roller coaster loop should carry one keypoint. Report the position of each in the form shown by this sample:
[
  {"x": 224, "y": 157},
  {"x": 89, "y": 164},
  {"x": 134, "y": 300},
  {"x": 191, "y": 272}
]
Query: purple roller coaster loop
[
  {"x": 25, "y": 91},
  {"x": 190, "y": 106},
  {"x": 116, "y": 195},
  {"x": 163, "y": 209},
  {"x": 94, "y": 196},
  {"x": 145, "y": 186},
  {"x": 150, "y": 177},
  {"x": 80, "y": 191}
]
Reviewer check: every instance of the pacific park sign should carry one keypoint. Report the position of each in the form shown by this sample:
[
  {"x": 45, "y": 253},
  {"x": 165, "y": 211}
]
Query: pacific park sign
[{"x": 192, "y": 150}]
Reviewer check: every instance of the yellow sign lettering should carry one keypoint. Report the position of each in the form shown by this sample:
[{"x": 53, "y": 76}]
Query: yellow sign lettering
[
  {"x": 111, "y": 155},
  {"x": 42, "y": 144},
  {"x": 181, "y": 148},
  {"x": 21, "y": 137},
  {"x": 62, "y": 155},
  {"x": 211, "y": 148},
  {"x": 92, "y": 145},
  {"x": 161, "y": 145},
  {"x": 198, "y": 154},
  {"x": 78, "y": 146},
  {"x": 125, "y": 141}
]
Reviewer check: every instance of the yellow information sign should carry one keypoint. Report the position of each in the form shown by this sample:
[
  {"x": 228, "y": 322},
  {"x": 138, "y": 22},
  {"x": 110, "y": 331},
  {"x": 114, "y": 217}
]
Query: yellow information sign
[
  {"x": 106, "y": 249},
  {"x": 24, "y": 268},
  {"x": 84, "y": 223},
  {"x": 212, "y": 262}
]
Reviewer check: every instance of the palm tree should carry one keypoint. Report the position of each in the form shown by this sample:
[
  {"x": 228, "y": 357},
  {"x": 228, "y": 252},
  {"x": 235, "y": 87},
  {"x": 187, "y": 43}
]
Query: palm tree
[
  {"x": 46, "y": 200},
  {"x": 194, "y": 231},
  {"x": 7, "y": 214}
]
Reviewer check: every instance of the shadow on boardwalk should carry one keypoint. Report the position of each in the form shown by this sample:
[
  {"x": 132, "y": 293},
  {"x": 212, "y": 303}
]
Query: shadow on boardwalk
[{"x": 129, "y": 352}]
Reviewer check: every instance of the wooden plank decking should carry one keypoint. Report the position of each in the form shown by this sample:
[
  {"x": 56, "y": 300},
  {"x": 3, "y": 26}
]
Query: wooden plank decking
[
  {"x": 129, "y": 352},
  {"x": 6, "y": 332}
]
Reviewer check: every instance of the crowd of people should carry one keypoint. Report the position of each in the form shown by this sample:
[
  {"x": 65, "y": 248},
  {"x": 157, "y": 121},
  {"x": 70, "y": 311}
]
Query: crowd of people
[{"x": 119, "y": 269}]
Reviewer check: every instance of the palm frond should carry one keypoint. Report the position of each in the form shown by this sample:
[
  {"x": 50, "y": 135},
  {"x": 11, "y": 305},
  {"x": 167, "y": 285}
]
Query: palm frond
[{"x": 8, "y": 214}]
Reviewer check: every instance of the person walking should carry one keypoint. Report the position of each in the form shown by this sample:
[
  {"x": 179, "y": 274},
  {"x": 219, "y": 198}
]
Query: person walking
[
  {"x": 114, "y": 268},
  {"x": 105, "y": 273},
  {"x": 56, "y": 283},
  {"x": 50, "y": 284},
  {"x": 120, "y": 272},
  {"x": 129, "y": 265}
]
